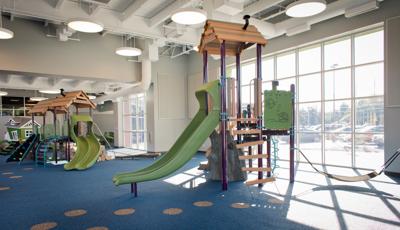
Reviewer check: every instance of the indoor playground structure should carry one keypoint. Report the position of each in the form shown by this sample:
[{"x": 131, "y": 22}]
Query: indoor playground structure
[
  {"x": 228, "y": 39},
  {"x": 55, "y": 145}
]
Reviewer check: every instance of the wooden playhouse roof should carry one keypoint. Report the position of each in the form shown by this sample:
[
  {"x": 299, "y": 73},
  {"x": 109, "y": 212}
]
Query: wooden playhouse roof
[
  {"x": 236, "y": 39},
  {"x": 61, "y": 103}
]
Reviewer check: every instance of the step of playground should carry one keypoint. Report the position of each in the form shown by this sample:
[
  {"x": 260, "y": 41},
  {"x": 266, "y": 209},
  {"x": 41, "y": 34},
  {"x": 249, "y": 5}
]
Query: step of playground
[
  {"x": 246, "y": 131},
  {"x": 244, "y": 169},
  {"x": 256, "y": 156},
  {"x": 251, "y": 143},
  {"x": 260, "y": 181},
  {"x": 244, "y": 120}
]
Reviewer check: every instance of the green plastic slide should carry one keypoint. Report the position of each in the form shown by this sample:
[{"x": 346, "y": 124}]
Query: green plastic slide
[
  {"x": 88, "y": 147},
  {"x": 199, "y": 129}
]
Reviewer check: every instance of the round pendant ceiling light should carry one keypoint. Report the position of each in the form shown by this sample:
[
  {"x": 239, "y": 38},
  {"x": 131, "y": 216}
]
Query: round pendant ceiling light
[
  {"x": 3, "y": 93},
  {"x": 305, "y": 8},
  {"x": 6, "y": 33},
  {"x": 50, "y": 91},
  {"x": 189, "y": 16},
  {"x": 38, "y": 98},
  {"x": 85, "y": 25},
  {"x": 128, "y": 51}
]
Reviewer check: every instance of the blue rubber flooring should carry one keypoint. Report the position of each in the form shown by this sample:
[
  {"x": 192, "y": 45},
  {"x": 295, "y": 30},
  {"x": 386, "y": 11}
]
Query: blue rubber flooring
[{"x": 44, "y": 194}]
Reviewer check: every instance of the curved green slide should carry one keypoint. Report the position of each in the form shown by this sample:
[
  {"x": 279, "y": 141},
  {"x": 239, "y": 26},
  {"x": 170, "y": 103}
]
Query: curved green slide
[
  {"x": 186, "y": 146},
  {"x": 88, "y": 147}
]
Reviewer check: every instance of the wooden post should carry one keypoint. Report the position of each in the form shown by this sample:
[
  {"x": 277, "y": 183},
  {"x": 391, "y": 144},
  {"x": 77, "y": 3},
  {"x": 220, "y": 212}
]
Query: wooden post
[
  {"x": 258, "y": 100},
  {"x": 223, "y": 123},
  {"x": 250, "y": 148}
]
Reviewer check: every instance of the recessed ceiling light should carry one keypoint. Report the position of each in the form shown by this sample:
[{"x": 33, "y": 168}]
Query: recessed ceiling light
[
  {"x": 128, "y": 51},
  {"x": 38, "y": 98},
  {"x": 196, "y": 48},
  {"x": 189, "y": 16},
  {"x": 50, "y": 91},
  {"x": 92, "y": 97},
  {"x": 6, "y": 33},
  {"x": 85, "y": 25},
  {"x": 3, "y": 93},
  {"x": 305, "y": 8}
]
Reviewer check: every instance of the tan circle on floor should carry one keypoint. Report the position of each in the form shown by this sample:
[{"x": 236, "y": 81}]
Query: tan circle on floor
[
  {"x": 172, "y": 211},
  {"x": 15, "y": 177},
  {"x": 275, "y": 201},
  {"x": 124, "y": 212},
  {"x": 75, "y": 213},
  {"x": 27, "y": 169},
  {"x": 7, "y": 173},
  {"x": 44, "y": 226},
  {"x": 97, "y": 228},
  {"x": 203, "y": 204},
  {"x": 4, "y": 188},
  {"x": 240, "y": 205}
]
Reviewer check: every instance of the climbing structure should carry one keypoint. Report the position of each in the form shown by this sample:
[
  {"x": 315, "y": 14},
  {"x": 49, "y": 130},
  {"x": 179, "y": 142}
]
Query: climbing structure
[
  {"x": 61, "y": 105},
  {"x": 230, "y": 39}
]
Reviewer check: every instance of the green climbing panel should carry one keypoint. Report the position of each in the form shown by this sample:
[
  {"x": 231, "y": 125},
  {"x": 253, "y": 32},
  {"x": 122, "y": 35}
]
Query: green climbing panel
[{"x": 277, "y": 109}]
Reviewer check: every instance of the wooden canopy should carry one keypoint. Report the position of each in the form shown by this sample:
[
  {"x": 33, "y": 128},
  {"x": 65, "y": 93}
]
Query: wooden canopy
[
  {"x": 236, "y": 38},
  {"x": 61, "y": 103}
]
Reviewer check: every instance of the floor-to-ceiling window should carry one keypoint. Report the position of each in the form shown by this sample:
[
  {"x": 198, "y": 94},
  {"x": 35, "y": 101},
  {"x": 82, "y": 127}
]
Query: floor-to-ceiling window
[
  {"x": 339, "y": 97},
  {"x": 134, "y": 124}
]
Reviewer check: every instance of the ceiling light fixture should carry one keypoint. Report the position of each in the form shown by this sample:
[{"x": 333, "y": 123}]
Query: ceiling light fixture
[
  {"x": 189, "y": 16},
  {"x": 3, "y": 93},
  {"x": 305, "y": 8},
  {"x": 92, "y": 97},
  {"x": 4, "y": 33},
  {"x": 50, "y": 91},
  {"x": 126, "y": 50},
  {"x": 38, "y": 98},
  {"x": 85, "y": 25}
]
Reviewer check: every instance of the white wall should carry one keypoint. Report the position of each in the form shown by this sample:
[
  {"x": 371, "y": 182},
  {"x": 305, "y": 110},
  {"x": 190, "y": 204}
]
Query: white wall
[
  {"x": 30, "y": 51},
  {"x": 167, "y": 111},
  {"x": 392, "y": 92}
]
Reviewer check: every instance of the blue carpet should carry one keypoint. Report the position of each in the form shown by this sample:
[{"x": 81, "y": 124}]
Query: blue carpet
[{"x": 44, "y": 194}]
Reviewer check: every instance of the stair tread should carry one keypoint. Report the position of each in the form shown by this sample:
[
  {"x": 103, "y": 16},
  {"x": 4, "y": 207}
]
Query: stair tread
[
  {"x": 254, "y": 169},
  {"x": 260, "y": 181},
  {"x": 246, "y": 157},
  {"x": 251, "y": 143},
  {"x": 246, "y": 131}
]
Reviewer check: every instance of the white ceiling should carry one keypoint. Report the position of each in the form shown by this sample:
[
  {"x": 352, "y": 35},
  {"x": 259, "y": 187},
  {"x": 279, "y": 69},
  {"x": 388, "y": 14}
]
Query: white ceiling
[{"x": 149, "y": 18}]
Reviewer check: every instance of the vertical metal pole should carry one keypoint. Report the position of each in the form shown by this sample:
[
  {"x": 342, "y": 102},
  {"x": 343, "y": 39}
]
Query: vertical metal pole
[
  {"x": 291, "y": 141},
  {"x": 205, "y": 73},
  {"x": 90, "y": 112},
  {"x": 55, "y": 133},
  {"x": 134, "y": 188},
  {"x": 250, "y": 148},
  {"x": 223, "y": 123},
  {"x": 33, "y": 124},
  {"x": 269, "y": 154},
  {"x": 238, "y": 92},
  {"x": 69, "y": 136},
  {"x": 44, "y": 125},
  {"x": 259, "y": 115}
]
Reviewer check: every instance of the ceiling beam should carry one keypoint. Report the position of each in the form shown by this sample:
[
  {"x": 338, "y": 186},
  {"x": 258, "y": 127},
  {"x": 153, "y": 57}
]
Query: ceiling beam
[
  {"x": 5, "y": 78},
  {"x": 59, "y": 4},
  {"x": 134, "y": 25},
  {"x": 167, "y": 12},
  {"x": 259, "y": 6},
  {"x": 132, "y": 8}
]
